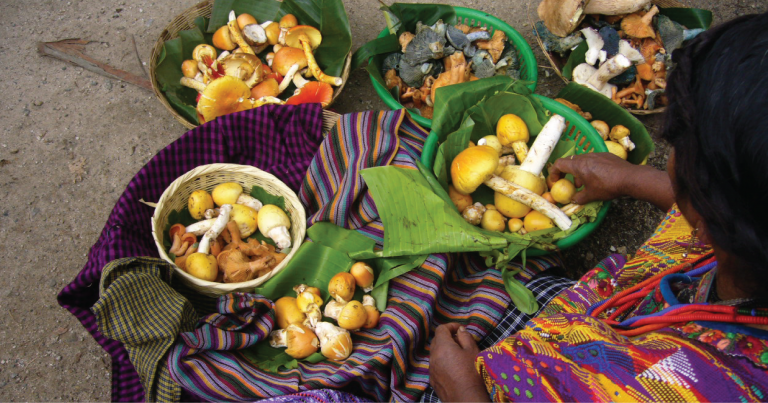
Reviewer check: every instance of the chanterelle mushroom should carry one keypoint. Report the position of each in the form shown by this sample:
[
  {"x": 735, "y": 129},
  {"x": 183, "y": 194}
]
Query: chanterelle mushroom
[{"x": 636, "y": 26}]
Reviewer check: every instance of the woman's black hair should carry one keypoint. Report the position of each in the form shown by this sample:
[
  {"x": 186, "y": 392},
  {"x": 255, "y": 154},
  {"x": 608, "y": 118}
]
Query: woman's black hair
[{"x": 717, "y": 121}]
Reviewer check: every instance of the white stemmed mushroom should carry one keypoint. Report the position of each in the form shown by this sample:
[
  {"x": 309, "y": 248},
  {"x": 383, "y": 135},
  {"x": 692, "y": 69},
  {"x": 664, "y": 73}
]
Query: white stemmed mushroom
[
  {"x": 476, "y": 165},
  {"x": 597, "y": 79},
  {"x": 300, "y": 341},
  {"x": 595, "y": 43},
  {"x": 232, "y": 193},
  {"x": 274, "y": 224},
  {"x": 201, "y": 264},
  {"x": 335, "y": 342}
]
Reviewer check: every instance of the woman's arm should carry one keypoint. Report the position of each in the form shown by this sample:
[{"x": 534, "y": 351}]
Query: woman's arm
[{"x": 606, "y": 177}]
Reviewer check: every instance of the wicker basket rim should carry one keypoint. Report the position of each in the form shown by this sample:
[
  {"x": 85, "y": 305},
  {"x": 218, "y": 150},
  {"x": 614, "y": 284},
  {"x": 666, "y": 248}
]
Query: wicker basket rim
[
  {"x": 215, "y": 287},
  {"x": 185, "y": 21}
]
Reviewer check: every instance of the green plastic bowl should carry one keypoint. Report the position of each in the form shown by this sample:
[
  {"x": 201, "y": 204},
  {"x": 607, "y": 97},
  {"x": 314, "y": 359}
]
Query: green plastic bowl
[
  {"x": 577, "y": 129},
  {"x": 474, "y": 18}
]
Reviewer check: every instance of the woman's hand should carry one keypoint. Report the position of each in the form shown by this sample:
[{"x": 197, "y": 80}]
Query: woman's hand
[
  {"x": 603, "y": 175},
  {"x": 607, "y": 177},
  {"x": 452, "y": 370}
]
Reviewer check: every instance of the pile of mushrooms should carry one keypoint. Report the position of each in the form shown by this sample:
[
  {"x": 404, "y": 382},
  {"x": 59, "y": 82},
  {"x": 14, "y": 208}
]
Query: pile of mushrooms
[
  {"x": 524, "y": 200},
  {"x": 440, "y": 55},
  {"x": 299, "y": 319},
  {"x": 225, "y": 254},
  {"x": 237, "y": 79},
  {"x": 629, "y": 46},
  {"x": 617, "y": 138}
]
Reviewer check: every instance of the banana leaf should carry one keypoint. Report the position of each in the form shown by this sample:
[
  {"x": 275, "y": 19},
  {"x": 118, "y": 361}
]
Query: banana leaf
[
  {"x": 577, "y": 57},
  {"x": 359, "y": 247},
  {"x": 409, "y": 14},
  {"x": 418, "y": 221},
  {"x": 691, "y": 18},
  {"x": 327, "y": 15},
  {"x": 451, "y": 102},
  {"x": 606, "y": 110}
]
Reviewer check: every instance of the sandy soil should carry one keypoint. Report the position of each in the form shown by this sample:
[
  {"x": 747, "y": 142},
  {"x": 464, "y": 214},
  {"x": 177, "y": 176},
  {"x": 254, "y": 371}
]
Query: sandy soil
[{"x": 71, "y": 140}]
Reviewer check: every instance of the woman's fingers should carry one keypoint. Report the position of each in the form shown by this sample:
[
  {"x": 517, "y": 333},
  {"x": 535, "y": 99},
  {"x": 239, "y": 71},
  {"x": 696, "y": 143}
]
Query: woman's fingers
[
  {"x": 465, "y": 339},
  {"x": 561, "y": 167}
]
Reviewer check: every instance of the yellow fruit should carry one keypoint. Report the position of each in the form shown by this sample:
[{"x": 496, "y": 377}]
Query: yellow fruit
[
  {"x": 199, "y": 201},
  {"x": 536, "y": 221},
  {"x": 616, "y": 149},
  {"x": 511, "y": 128}
]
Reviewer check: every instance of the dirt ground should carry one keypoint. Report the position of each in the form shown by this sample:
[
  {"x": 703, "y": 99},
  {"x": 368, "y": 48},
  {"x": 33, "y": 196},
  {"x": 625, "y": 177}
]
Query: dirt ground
[{"x": 71, "y": 140}]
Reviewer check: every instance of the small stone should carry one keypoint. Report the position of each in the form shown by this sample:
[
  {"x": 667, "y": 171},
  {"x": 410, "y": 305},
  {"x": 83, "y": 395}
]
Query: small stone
[
  {"x": 589, "y": 256},
  {"x": 94, "y": 83},
  {"x": 108, "y": 85},
  {"x": 13, "y": 375},
  {"x": 14, "y": 151},
  {"x": 37, "y": 103},
  {"x": 613, "y": 248},
  {"x": 2, "y": 384},
  {"x": 622, "y": 250},
  {"x": 26, "y": 111}
]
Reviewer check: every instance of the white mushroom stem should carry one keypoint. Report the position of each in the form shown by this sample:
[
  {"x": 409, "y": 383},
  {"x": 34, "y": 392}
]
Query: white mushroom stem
[
  {"x": 281, "y": 236},
  {"x": 571, "y": 209},
  {"x": 505, "y": 150},
  {"x": 314, "y": 316},
  {"x": 507, "y": 160},
  {"x": 543, "y": 146},
  {"x": 223, "y": 54},
  {"x": 218, "y": 225},
  {"x": 595, "y": 43},
  {"x": 278, "y": 338},
  {"x": 299, "y": 81},
  {"x": 201, "y": 227},
  {"x": 250, "y": 201},
  {"x": 333, "y": 309},
  {"x": 530, "y": 199},
  {"x": 199, "y": 77},
  {"x": 267, "y": 101},
  {"x": 630, "y": 53},
  {"x": 270, "y": 57},
  {"x": 192, "y": 83},
  {"x": 288, "y": 78},
  {"x": 255, "y": 33},
  {"x": 610, "y": 69}
]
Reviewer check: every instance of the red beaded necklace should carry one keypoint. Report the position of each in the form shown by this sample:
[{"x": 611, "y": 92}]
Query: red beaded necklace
[{"x": 681, "y": 313}]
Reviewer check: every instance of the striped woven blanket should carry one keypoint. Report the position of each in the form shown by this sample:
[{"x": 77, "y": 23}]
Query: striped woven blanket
[{"x": 391, "y": 361}]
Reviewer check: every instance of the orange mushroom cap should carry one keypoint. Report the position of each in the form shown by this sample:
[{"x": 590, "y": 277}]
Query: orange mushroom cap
[
  {"x": 287, "y": 57},
  {"x": 313, "y": 92},
  {"x": 245, "y": 19},
  {"x": 267, "y": 88},
  {"x": 223, "y": 96},
  {"x": 314, "y": 35},
  {"x": 177, "y": 229}
]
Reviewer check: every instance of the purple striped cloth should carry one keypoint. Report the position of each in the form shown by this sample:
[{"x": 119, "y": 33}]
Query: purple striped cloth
[
  {"x": 391, "y": 361},
  {"x": 278, "y": 139}
]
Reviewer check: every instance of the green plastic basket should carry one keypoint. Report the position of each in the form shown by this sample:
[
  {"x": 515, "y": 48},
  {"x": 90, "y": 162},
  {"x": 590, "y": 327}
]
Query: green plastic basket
[
  {"x": 474, "y": 18},
  {"x": 577, "y": 129}
]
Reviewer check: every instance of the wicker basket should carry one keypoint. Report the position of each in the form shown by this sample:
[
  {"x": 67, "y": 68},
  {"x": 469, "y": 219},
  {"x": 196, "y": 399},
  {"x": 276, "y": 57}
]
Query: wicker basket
[
  {"x": 556, "y": 66},
  {"x": 185, "y": 21},
  {"x": 207, "y": 177}
]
